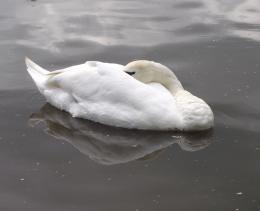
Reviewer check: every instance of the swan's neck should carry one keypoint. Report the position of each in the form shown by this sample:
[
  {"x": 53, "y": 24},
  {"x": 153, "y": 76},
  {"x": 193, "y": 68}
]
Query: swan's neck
[
  {"x": 167, "y": 78},
  {"x": 172, "y": 84}
]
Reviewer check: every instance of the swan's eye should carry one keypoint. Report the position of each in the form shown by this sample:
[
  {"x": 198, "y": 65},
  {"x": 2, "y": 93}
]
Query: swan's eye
[{"x": 130, "y": 73}]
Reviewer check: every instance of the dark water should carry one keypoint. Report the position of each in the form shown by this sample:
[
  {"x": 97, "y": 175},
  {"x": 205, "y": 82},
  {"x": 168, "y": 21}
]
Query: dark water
[{"x": 68, "y": 164}]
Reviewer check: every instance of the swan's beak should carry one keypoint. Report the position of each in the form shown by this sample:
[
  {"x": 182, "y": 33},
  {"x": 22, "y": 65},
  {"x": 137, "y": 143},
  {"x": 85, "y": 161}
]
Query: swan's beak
[{"x": 130, "y": 73}]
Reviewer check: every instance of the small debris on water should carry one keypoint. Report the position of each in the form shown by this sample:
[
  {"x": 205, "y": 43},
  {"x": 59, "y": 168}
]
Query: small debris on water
[
  {"x": 176, "y": 136},
  {"x": 146, "y": 165}
]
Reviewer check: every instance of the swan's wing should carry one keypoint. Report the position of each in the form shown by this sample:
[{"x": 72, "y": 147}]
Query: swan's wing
[
  {"x": 87, "y": 65},
  {"x": 81, "y": 83},
  {"x": 91, "y": 82},
  {"x": 42, "y": 76}
]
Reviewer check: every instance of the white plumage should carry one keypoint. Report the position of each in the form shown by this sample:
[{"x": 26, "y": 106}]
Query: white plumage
[{"x": 149, "y": 97}]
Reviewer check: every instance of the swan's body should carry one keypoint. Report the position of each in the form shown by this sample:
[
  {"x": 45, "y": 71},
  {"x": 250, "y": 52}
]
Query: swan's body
[{"x": 151, "y": 99}]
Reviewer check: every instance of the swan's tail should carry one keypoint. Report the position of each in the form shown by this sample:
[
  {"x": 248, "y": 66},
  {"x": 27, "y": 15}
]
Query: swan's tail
[{"x": 38, "y": 74}]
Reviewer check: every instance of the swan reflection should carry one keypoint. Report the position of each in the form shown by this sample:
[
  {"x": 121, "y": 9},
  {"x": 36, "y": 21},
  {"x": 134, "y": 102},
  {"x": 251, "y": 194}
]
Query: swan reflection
[{"x": 109, "y": 145}]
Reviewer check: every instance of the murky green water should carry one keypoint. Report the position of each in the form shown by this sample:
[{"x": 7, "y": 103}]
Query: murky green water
[{"x": 68, "y": 164}]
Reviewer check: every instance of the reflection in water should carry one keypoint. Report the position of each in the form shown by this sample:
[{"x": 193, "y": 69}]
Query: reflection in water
[{"x": 109, "y": 145}]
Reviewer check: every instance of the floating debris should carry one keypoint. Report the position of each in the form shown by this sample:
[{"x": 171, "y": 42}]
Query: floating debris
[{"x": 176, "y": 136}]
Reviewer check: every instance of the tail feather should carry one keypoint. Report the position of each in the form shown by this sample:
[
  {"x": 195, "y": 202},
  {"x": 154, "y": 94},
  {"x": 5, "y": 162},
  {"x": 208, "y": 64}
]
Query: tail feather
[
  {"x": 38, "y": 74},
  {"x": 30, "y": 64}
]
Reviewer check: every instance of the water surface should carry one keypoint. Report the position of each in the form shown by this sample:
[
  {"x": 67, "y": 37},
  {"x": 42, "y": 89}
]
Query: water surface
[{"x": 68, "y": 164}]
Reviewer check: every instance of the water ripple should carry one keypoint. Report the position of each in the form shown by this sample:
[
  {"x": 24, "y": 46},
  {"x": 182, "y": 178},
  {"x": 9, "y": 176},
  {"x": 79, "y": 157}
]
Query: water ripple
[{"x": 133, "y": 22}]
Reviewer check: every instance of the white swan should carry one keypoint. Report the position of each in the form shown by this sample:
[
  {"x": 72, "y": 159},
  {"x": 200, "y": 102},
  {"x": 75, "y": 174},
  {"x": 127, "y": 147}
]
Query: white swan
[{"x": 141, "y": 95}]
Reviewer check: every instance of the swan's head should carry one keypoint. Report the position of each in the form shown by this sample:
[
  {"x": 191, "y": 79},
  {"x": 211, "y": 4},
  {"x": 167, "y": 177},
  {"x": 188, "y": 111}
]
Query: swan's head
[
  {"x": 142, "y": 70},
  {"x": 149, "y": 71}
]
